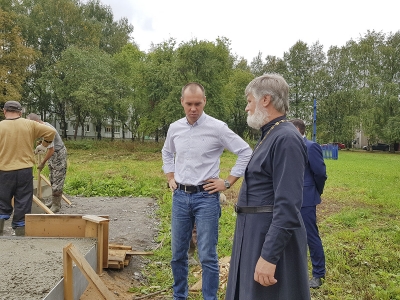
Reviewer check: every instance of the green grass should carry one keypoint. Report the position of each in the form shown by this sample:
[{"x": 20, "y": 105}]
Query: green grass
[{"x": 359, "y": 217}]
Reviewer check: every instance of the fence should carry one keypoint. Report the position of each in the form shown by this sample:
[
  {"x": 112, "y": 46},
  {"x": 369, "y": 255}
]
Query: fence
[{"x": 330, "y": 151}]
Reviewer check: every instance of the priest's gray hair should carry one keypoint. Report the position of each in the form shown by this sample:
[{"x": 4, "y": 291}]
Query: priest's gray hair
[{"x": 275, "y": 86}]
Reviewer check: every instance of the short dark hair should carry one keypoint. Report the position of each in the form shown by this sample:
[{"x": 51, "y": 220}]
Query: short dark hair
[
  {"x": 300, "y": 125},
  {"x": 192, "y": 86}
]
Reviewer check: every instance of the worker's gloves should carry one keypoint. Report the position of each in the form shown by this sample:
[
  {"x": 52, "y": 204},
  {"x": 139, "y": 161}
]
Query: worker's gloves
[
  {"x": 40, "y": 149},
  {"x": 40, "y": 166}
]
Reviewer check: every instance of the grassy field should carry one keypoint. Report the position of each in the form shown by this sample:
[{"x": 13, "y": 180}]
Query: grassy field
[{"x": 359, "y": 218}]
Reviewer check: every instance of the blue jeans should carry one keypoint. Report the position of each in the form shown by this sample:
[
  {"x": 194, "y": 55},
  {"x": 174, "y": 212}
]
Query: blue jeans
[{"x": 204, "y": 209}]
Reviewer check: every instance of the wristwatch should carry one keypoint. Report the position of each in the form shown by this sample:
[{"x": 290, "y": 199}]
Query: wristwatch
[{"x": 227, "y": 184}]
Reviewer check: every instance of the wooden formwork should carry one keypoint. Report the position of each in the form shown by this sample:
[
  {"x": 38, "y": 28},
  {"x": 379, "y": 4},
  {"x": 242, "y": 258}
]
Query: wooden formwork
[
  {"x": 57, "y": 225},
  {"x": 74, "y": 226}
]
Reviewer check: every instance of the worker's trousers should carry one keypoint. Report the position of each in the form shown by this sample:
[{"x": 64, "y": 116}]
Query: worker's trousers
[{"x": 17, "y": 184}]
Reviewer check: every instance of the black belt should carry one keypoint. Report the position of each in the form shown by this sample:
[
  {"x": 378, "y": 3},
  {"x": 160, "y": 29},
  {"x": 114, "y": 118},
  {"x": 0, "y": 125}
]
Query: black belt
[
  {"x": 190, "y": 189},
  {"x": 253, "y": 209}
]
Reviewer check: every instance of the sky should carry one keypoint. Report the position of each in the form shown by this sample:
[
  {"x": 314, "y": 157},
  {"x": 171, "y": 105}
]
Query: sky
[{"x": 253, "y": 26}]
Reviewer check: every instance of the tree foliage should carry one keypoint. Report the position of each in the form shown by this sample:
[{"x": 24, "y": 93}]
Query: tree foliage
[
  {"x": 15, "y": 57},
  {"x": 71, "y": 60}
]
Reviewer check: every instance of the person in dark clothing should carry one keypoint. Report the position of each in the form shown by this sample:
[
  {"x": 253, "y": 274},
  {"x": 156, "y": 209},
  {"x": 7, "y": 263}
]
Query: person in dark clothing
[
  {"x": 269, "y": 254},
  {"x": 314, "y": 182}
]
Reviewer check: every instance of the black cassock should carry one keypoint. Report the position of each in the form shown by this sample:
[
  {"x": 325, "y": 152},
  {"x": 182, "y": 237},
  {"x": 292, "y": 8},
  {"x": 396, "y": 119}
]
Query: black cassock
[{"x": 274, "y": 176}]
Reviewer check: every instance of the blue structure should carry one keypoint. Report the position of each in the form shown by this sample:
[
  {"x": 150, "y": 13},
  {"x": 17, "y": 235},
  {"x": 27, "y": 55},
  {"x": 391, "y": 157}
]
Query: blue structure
[{"x": 330, "y": 151}]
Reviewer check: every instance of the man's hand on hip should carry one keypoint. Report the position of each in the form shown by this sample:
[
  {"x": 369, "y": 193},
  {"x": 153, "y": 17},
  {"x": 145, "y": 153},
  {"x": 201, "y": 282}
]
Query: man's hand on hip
[{"x": 215, "y": 185}]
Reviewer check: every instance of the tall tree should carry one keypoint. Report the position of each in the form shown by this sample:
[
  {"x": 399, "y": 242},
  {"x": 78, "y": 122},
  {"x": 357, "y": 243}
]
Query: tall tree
[
  {"x": 51, "y": 26},
  {"x": 15, "y": 57},
  {"x": 83, "y": 81},
  {"x": 235, "y": 101},
  {"x": 337, "y": 102},
  {"x": 160, "y": 81},
  {"x": 114, "y": 34},
  {"x": 128, "y": 70},
  {"x": 298, "y": 76},
  {"x": 209, "y": 63}
]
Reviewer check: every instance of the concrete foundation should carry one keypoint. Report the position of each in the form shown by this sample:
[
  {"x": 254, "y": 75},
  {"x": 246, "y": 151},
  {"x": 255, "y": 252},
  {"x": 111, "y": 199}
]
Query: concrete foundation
[
  {"x": 80, "y": 281},
  {"x": 32, "y": 268}
]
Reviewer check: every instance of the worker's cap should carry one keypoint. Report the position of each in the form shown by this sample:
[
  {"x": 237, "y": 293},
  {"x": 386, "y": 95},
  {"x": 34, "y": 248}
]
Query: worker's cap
[{"x": 12, "y": 106}]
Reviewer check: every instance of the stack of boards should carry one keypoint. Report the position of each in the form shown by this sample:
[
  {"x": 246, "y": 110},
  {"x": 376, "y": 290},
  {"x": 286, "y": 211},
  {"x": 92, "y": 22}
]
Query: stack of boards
[{"x": 119, "y": 256}]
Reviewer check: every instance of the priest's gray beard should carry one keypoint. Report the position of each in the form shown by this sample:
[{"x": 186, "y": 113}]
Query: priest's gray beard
[{"x": 258, "y": 119}]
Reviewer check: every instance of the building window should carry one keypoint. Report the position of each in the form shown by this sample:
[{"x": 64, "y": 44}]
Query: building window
[
  {"x": 108, "y": 129},
  {"x": 87, "y": 127},
  {"x": 117, "y": 129}
]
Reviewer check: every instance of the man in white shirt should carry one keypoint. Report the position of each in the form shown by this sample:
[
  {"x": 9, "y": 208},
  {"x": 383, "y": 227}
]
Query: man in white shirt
[{"x": 191, "y": 159}]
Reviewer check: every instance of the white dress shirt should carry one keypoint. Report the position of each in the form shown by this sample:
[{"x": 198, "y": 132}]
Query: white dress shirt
[{"x": 193, "y": 152}]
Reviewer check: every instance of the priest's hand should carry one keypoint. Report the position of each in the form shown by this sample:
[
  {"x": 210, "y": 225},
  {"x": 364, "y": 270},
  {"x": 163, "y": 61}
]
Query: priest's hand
[{"x": 264, "y": 272}]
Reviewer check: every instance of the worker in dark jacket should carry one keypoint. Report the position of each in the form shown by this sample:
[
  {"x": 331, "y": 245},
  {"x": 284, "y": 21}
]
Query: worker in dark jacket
[
  {"x": 314, "y": 182},
  {"x": 269, "y": 255}
]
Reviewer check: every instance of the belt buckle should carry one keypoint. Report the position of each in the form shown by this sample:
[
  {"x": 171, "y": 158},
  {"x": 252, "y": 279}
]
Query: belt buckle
[
  {"x": 236, "y": 208},
  {"x": 188, "y": 191}
]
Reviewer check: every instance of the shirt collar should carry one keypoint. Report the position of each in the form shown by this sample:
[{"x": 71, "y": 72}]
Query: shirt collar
[
  {"x": 199, "y": 121},
  {"x": 267, "y": 126}
]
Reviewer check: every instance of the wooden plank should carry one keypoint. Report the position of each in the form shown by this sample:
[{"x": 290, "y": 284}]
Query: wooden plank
[
  {"x": 105, "y": 238},
  {"x": 91, "y": 229},
  {"x": 42, "y": 205},
  {"x": 118, "y": 246},
  {"x": 116, "y": 258},
  {"x": 98, "y": 227},
  {"x": 95, "y": 219},
  {"x": 89, "y": 273},
  {"x": 54, "y": 225},
  {"x": 39, "y": 186},
  {"x": 138, "y": 253},
  {"x": 105, "y": 242},
  {"x": 100, "y": 248},
  {"x": 117, "y": 252},
  {"x": 48, "y": 183},
  {"x": 114, "y": 265},
  {"x": 68, "y": 274}
]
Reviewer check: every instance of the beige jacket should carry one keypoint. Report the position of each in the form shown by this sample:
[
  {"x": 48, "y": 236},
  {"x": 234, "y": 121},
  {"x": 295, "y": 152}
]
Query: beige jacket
[{"x": 17, "y": 141}]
